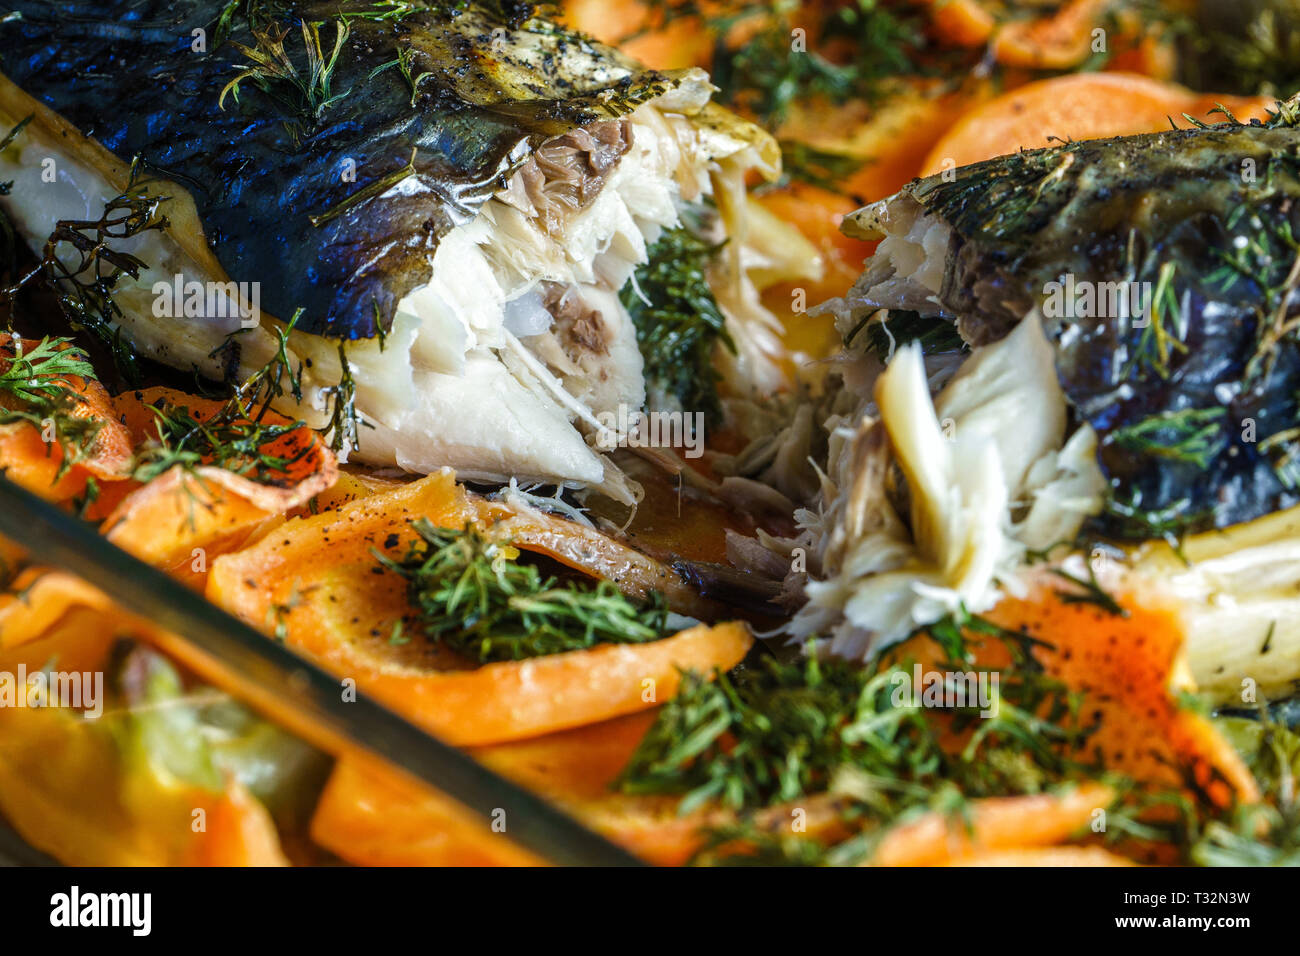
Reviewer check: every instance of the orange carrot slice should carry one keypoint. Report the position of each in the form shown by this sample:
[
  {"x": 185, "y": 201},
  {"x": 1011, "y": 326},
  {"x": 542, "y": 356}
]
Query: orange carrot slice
[
  {"x": 1050, "y": 43},
  {"x": 28, "y": 458},
  {"x": 1079, "y": 106},
  {"x": 184, "y": 518},
  {"x": 315, "y": 583},
  {"x": 997, "y": 823},
  {"x": 1131, "y": 671},
  {"x": 961, "y": 22},
  {"x": 371, "y": 816}
]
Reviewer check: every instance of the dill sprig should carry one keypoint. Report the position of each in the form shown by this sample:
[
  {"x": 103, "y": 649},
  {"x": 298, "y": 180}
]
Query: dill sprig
[
  {"x": 877, "y": 42},
  {"x": 403, "y": 63},
  {"x": 40, "y": 373},
  {"x": 1090, "y": 592},
  {"x": 1194, "y": 436},
  {"x": 84, "y": 288},
  {"x": 37, "y": 381},
  {"x": 307, "y": 92},
  {"x": 782, "y": 731},
  {"x": 678, "y": 321},
  {"x": 823, "y": 168},
  {"x": 227, "y": 440},
  {"x": 235, "y": 438},
  {"x": 472, "y": 595},
  {"x": 344, "y": 427}
]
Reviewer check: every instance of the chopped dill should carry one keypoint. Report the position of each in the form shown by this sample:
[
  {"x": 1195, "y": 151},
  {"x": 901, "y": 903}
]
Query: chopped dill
[
  {"x": 1091, "y": 592},
  {"x": 343, "y": 430},
  {"x": 1194, "y": 436},
  {"x": 678, "y": 321},
  {"x": 472, "y": 595},
  {"x": 783, "y": 731},
  {"x": 308, "y": 92},
  {"x": 37, "y": 381},
  {"x": 769, "y": 72}
]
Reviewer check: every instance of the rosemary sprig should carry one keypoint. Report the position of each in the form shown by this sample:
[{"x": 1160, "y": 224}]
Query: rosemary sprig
[{"x": 472, "y": 595}]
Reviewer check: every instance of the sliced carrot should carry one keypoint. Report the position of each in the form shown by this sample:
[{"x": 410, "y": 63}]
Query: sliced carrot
[
  {"x": 1131, "y": 672},
  {"x": 997, "y": 823},
  {"x": 961, "y": 22},
  {"x": 681, "y": 42},
  {"x": 238, "y": 831},
  {"x": 1079, "y": 106},
  {"x": 52, "y": 617},
  {"x": 400, "y": 822},
  {"x": 315, "y": 582},
  {"x": 36, "y": 464},
  {"x": 371, "y": 816},
  {"x": 64, "y": 788},
  {"x": 1070, "y": 856},
  {"x": 1050, "y": 43},
  {"x": 184, "y": 518}
]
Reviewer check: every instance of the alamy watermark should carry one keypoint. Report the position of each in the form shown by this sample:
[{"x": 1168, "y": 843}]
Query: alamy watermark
[
  {"x": 1084, "y": 299},
  {"x": 630, "y": 428},
  {"x": 947, "y": 690},
  {"x": 79, "y": 690},
  {"x": 208, "y": 300}
]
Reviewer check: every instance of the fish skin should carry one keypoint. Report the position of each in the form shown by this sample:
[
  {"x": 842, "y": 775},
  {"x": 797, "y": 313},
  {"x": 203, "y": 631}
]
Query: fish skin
[
  {"x": 1021, "y": 221},
  {"x": 123, "y": 72}
]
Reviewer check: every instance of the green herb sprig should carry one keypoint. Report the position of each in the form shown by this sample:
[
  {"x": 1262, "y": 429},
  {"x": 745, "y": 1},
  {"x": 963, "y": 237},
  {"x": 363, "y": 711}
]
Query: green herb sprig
[
  {"x": 782, "y": 731},
  {"x": 471, "y": 594},
  {"x": 235, "y": 438},
  {"x": 307, "y": 92},
  {"x": 678, "y": 321},
  {"x": 36, "y": 381}
]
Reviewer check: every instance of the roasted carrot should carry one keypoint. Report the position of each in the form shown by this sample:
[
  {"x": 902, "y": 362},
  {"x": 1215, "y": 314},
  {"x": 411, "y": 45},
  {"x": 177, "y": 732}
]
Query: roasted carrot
[
  {"x": 315, "y": 583},
  {"x": 1051, "y": 43},
  {"x": 185, "y": 517},
  {"x": 997, "y": 823},
  {"x": 30, "y": 454},
  {"x": 1078, "y": 106}
]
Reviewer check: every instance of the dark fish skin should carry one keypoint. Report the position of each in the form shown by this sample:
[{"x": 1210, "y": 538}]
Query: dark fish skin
[
  {"x": 1194, "y": 410},
  {"x": 125, "y": 74}
]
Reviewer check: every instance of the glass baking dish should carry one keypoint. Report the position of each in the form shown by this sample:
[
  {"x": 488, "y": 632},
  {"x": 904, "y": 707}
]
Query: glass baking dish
[{"x": 271, "y": 680}]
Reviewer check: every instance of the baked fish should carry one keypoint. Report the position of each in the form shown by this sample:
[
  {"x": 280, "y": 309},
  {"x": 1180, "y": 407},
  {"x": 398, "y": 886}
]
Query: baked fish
[
  {"x": 440, "y": 201},
  {"x": 1087, "y": 355}
]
